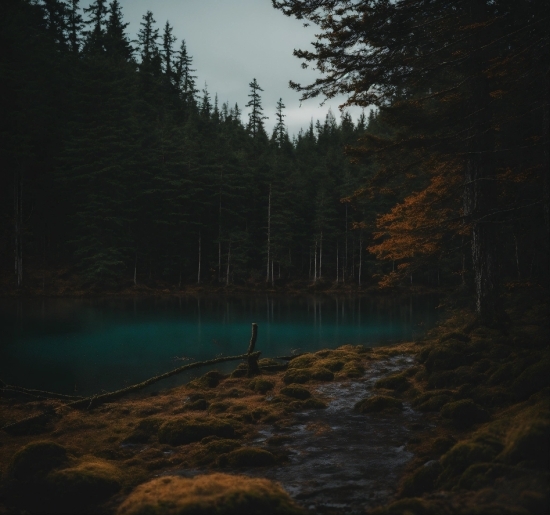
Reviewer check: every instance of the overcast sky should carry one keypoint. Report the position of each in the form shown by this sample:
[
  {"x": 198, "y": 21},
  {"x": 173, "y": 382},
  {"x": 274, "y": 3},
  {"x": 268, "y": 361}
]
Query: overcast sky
[{"x": 234, "y": 41}]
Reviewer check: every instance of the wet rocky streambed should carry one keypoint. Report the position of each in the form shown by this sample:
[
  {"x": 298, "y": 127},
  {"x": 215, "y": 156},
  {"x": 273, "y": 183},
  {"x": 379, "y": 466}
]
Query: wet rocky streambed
[{"x": 340, "y": 460}]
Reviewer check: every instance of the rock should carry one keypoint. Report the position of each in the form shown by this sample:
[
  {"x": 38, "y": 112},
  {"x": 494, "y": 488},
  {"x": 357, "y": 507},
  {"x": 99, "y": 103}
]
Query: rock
[{"x": 378, "y": 403}]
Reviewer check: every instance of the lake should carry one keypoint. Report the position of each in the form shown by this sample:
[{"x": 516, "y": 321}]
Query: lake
[{"x": 90, "y": 345}]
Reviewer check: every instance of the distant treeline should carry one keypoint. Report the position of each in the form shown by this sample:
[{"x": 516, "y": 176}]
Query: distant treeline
[{"x": 116, "y": 166}]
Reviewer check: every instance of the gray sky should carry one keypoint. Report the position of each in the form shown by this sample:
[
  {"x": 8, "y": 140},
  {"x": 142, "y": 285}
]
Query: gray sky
[{"x": 233, "y": 41}]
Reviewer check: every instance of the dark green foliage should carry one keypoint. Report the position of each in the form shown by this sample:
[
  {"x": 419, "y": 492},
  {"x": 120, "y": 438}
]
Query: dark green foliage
[{"x": 378, "y": 403}]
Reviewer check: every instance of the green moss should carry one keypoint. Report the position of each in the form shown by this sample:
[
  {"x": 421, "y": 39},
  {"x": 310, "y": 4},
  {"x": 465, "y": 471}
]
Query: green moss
[
  {"x": 398, "y": 382},
  {"x": 299, "y": 376},
  {"x": 145, "y": 430},
  {"x": 528, "y": 442},
  {"x": 304, "y": 361},
  {"x": 464, "y": 413},
  {"x": 240, "y": 371},
  {"x": 409, "y": 507},
  {"x": 219, "y": 407},
  {"x": 88, "y": 484},
  {"x": 183, "y": 430},
  {"x": 353, "y": 369},
  {"x": 219, "y": 494},
  {"x": 332, "y": 364},
  {"x": 445, "y": 357},
  {"x": 422, "y": 479},
  {"x": 209, "y": 380},
  {"x": 378, "y": 403},
  {"x": 261, "y": 385},
  {"x": 320, "y": 373},
  {"x": 198, "y": 405},
  {"x": 35, "y": 460},
  {"x": 434, "y": 403},
  {"x": 532, "y": 380},
  {"x": 481, "y": 475},
  {"x": 296, "y": 392},
  {"x": 248, "y": 457},
  {"x": 464, "y": 454},
  {"x": 310, "y": 403},
  {"x": 271, "y": 364}
]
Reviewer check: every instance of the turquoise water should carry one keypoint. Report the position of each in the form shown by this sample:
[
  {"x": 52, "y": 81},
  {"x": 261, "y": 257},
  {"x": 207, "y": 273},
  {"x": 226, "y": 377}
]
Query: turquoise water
[{"x": 89, "y": 345}]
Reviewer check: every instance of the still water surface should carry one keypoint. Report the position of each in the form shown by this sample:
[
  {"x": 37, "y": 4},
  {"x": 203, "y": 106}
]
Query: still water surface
[{"x": 89, "y": 345}]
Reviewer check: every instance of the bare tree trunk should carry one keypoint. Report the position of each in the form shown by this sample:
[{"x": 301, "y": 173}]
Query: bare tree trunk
[
  {"x": 346, "y": 260},
  {"x": 272, "y": 278},
  {"x": 517, "y": 256},
  {"x": 199, "y": 270},
  {"x": 321, "y": 257},
  {"x": 18, "y": 220},
  {"x": 268, "y": 232},
  {"x": 228, "y": 261},
  {"x": 315, "y": 261},
  {"x": 480, "y": 194},
  {"x": 546, "y": 165},
  {"x": 360, "y": 256},
  {"x": 337, "y": 263},
  {"x": 135, "y": 271}
]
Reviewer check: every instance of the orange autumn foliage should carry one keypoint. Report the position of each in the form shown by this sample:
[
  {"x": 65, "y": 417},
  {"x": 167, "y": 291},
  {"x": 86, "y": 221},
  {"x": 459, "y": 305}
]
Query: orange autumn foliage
[{"x": 415, "y": 229}]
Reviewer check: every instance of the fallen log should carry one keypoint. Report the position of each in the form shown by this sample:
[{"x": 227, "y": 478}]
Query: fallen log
[{"x": 95, "y": 400}]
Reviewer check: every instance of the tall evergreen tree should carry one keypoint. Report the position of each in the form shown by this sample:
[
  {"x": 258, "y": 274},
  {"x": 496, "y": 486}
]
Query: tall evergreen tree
[{"x": 256, "y": 116}]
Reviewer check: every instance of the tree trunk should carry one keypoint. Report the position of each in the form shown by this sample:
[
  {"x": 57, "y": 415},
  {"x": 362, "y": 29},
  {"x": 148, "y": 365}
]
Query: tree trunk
[
  {"x": 18, "y": 228},
  {"x": 360, "y": 256},
  {"x": 321, "y": 257},
  {"x": 337, "y": 261},
  {"x": 268, "y": 232},
  {"x": 199, "y": 270},
  {"x": 228, "y": 261},
  {"x": 480, "y": 194},
  {"x": 315, "y": 261}
]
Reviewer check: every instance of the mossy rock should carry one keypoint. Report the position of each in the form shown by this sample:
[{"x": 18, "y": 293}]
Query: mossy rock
[
  {"x": 398, "y": 382},
  {"x": 297, "y": 375},
  {"x": 209, "y": 380},
  {"x": 464, "y": 454},
  {"x": 464, "y": 413},
  {"x": 145, "y": 430},
  {"x": 480, "y": 475},
  {"x": 211, "y": 450},
  {"x": 352, "y": 369},
  {"x": 422, "y": 479},
  {"x": 296, "y": 392},
  {"x": 378, "y": 403},
  {"x": 221, "y": 494},
  {"x": 446, "y": 379},
  {"x": 247, "y": 457},
  {"x": 36, "y": 460},
  {"x": 532, "y": 380},
  {"x": 31, "y": 426},
  {"x": 261, "y": 385},
  {"x": 183, "y": 430},
  {"x": 441, "y": 445},
  {"x": 492, "y": 397},
  {"x": 303, "y": 361},
  {"x": 332, "y": 364},
  {"x": 218, "y": 407},
  {"x": 434, "y": 403},
  {"x": 445, "y": 357},
  {"x": 271, "y": 364},
  {"x": 528, "y": 443},
  {"x": 240, "y": 371},
  {"x": 319, "y": 373},
  {"x": 409, "y": 506},
  {"x": 88, "y": 484},
  {"x": 198, "y": 405}
]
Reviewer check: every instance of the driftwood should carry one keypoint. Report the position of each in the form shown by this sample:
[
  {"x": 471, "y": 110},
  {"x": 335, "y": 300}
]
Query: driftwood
[
  {"x": 252, "y": 358},
  {"x": 95, "y": 400},
  {"x": 37, "y": 394}
]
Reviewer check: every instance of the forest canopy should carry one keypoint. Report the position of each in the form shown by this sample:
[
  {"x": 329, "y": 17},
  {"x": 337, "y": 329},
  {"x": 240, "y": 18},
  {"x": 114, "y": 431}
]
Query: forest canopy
[{"x": 117, "y": 168}]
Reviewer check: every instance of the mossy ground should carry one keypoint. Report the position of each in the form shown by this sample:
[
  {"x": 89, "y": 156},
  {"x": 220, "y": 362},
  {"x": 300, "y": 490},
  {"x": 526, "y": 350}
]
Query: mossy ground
[{"x": 483, "y": 441}]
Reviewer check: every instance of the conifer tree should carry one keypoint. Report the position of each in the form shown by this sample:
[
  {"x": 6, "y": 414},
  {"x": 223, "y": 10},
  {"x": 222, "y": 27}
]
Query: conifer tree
[
  {"x": 95, "y": 35},
  {"x": 256, "y": 116},
  {"x": 117, "y": 43},
  {"x": 74, "y": 26}
]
